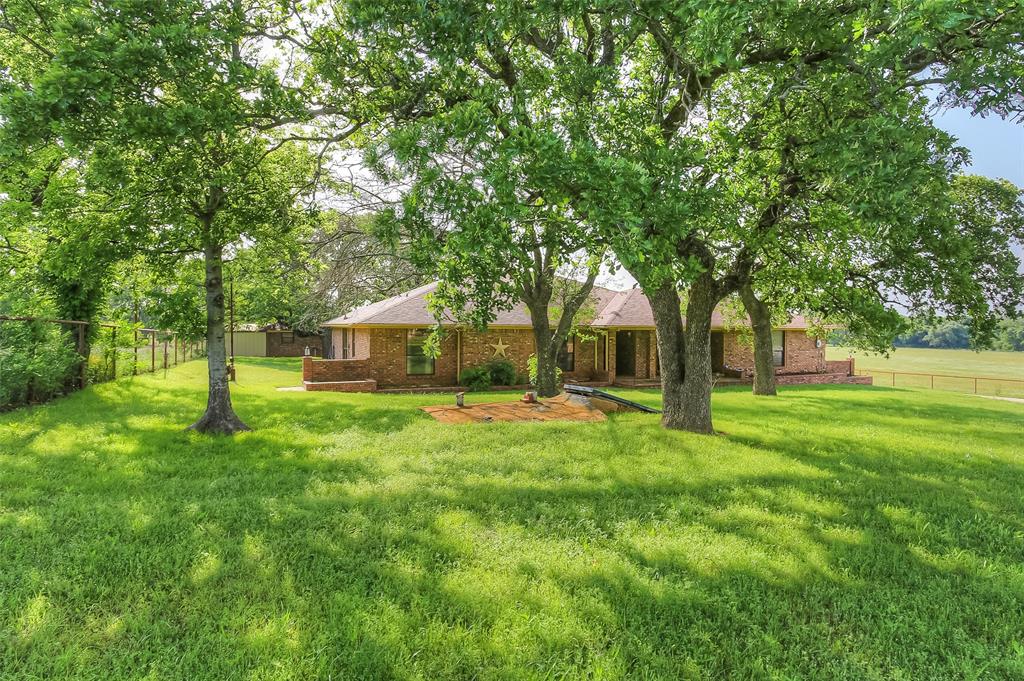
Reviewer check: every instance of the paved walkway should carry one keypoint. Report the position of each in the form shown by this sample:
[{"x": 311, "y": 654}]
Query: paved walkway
[
  {"x": 561, "y": 408},
  {"x": 1018, "y": 400}
]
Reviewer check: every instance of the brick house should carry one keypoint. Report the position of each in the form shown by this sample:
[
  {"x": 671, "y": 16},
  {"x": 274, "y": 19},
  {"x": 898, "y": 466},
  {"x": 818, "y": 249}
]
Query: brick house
[{"x": 380, "y": 346}]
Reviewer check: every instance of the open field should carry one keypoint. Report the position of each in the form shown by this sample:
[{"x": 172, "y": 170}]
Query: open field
[
  {"x": 990, "y": 364},
  {"x": 834, "y": 532}
]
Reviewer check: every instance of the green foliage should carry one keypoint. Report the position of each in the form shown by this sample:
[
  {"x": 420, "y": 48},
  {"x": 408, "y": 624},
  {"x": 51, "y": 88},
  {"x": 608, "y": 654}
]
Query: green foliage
[
  {"x": 1010, "y": 335},
  {"x": 949, "y": 334},
  {"x": 186, "y": 121},
  {"x": 176, "y": 300},
  {"x": 447, "y": 552},
  {"x": 37, "y": 362},
  {"x": 702, "y": 144},
  {"x": 476, "y": 378},
  {"x": 503, "y": 372},
  {"x": 491, "y": 373}
]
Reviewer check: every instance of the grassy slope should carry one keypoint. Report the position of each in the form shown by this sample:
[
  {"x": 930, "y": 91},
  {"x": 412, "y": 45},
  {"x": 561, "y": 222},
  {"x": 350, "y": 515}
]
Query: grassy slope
[
  {"x": 930, "y": 360},
  {"x": 834, "y": 532}
]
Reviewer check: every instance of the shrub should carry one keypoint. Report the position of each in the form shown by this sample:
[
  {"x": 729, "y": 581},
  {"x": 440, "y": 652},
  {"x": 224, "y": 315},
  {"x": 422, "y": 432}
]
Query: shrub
[
  {"x": 503, "y": 372},
  {"x": 476, "y": 378},
  {"x": 489, "y": 374},
  {"x": 37, "y": 362}
]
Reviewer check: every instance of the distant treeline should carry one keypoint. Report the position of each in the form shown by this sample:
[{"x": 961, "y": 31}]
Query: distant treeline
[{"x": 954, "y": 336}]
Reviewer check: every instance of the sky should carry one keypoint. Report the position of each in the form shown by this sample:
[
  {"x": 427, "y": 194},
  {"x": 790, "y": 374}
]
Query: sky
[{"x": 996, "y": 146}]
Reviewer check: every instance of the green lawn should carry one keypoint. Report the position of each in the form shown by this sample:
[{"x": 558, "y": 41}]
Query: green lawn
[
  {"x": 930, "y": 360},
  {"x": 836, "y": 532},
  {"x": 991, "y": 364}
]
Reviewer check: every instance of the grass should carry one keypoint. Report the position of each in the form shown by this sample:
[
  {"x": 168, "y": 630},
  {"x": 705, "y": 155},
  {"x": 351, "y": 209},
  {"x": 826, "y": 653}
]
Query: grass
[
  {"x": 837, "y": 532},
  {"x": 988, "y": 363}
]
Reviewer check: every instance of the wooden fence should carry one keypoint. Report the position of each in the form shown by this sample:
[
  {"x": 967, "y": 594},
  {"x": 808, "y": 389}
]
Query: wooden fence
[{"x": 978, "y": 385}]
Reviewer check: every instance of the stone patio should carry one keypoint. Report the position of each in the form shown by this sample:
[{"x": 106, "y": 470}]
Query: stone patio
[{"x": 560, "y": 408}]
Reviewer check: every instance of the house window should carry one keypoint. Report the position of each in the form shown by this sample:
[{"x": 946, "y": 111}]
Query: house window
[
  {"x": 287, "y": 337},
  {"x": 417, "y": 361},
  {"x": 348, "y": 343},
  {"x": 778, "y": 348},
  {"x": 567, "y": 355}
]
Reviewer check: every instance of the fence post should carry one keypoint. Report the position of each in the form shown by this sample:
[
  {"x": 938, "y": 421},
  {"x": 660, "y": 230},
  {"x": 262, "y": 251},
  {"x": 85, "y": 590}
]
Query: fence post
[
  {"x": 893, "y": 378},
  {"x": 975, "y": 385},
  {"x": 152, "y": 352},
  {"x": 82, "y": 330},
  {"x": 175, "y": 350},
  {"x": 135, "y": 350},
  {"x": 113, "y": 353},
  {"x": 165, "y": 353},
  {"x": 932, "y": 376}
]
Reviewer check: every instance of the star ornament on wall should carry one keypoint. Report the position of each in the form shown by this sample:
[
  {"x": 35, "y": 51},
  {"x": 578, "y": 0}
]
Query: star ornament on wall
[{"x": 499, "y": 348}]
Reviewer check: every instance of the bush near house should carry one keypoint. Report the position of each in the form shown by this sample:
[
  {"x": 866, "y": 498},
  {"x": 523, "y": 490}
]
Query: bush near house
[{"x": 488, "y": 374}]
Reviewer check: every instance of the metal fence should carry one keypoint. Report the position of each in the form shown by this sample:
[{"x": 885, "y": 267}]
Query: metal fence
[
  {"x": 43, "y": 358},
  {"x": 978, "y": 385}
]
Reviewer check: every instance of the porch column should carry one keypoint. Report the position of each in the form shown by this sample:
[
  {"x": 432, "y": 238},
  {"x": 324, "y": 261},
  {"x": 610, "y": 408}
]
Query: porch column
[{"x": 610, "y": 349}]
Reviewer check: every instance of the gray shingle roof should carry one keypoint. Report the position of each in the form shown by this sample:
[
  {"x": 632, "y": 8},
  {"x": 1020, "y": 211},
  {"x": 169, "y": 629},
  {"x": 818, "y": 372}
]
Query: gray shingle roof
[{"x": 628, "y": 308}]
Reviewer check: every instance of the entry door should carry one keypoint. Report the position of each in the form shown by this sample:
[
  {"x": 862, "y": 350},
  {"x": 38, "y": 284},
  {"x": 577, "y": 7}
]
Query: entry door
[{"x": 625, "y": 353}]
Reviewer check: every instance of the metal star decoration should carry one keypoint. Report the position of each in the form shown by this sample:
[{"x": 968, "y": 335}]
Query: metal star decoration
[{"x": 499, "y": 348}]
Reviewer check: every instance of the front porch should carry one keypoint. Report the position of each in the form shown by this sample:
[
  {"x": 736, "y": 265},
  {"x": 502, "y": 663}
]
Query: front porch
[{"x": 720, "y": 381}]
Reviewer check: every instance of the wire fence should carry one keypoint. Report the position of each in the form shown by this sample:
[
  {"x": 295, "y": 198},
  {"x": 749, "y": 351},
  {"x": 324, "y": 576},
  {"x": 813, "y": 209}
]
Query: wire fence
[
  {"x": 118, "y": 352},
  {"x": 44, "y": 358},
  {"x": 978, "y": 385}
]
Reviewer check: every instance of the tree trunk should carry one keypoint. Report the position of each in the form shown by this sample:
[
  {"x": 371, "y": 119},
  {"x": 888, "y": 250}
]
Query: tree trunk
[
  {"x": 547, "y": 374},
  {"x": 761, "y": 323},
  {"x": 668, "y": 322},
  {"x": 220, "y": 417},
  {"x": 696, "y": 390}
]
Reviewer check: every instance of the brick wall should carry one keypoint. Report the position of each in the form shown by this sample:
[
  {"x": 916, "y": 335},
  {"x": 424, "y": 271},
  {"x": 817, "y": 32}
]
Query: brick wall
[
  {"x": 334, "y": 369},
  {"x": 386, "y": 362},
  {"x": 642, "y": 348},
  {"x": 584, "y": 366},
  {"x": 477, "y": 349},
  {"x": 839, "y": 366},
  {"x": 382, "y": 357},
  {"x": 385, "y": 357},
  {"x": 802, "y": 356},
  {"x": 277, "y": 347}
]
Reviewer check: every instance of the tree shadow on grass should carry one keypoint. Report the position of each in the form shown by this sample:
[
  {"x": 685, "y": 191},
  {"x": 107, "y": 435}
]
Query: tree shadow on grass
[{"x": 357, "y": 538}]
